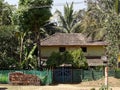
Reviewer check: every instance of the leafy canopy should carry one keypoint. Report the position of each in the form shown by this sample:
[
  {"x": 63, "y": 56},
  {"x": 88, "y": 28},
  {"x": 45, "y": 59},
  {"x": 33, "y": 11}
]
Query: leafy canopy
[
  {"x": 32, "y": 13},
  {"x": 8, "y": 42},
  {"x": 6, "y": 12},
  {"x": 98, "y": 11}
]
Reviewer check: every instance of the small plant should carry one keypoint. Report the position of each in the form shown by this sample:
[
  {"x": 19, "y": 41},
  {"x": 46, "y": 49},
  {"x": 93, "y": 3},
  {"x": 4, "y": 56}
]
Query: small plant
[{"x": 104, "y": 87}]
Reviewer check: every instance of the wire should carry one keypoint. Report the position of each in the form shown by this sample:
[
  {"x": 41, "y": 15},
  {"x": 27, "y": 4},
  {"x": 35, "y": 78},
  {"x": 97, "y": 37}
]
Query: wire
[{"x": 62, "y": 4}]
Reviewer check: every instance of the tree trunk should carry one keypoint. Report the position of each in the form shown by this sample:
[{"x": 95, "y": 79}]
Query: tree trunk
[
  {"x": 38, "y": 45},
  {"x": 39, "y": 50},
  {"x": 21, "y": 48},
  {"x": 21, "y": 45}
]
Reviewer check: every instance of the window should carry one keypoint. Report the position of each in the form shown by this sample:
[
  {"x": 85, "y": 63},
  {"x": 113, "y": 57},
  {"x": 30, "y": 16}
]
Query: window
[
  {"x": 84, "y": 49},
  {"x": 62, "y": 49}
]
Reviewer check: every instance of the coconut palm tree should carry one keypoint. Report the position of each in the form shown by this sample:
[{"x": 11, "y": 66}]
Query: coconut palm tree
[
  {"x": 92, "y": 25},
  {"x": 68, "y": 23}
]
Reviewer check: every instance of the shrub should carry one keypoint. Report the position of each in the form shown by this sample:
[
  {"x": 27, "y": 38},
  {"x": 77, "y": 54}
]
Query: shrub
[
  {"x": 79, "y": 59},
  {"x": 54, "y": 59},
  {"x": 75, "y": 58},
  {"x": 104, "y": 87}
]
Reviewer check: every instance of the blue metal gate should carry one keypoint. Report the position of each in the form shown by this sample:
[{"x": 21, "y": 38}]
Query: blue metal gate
[{"x": 62, "y": 75}]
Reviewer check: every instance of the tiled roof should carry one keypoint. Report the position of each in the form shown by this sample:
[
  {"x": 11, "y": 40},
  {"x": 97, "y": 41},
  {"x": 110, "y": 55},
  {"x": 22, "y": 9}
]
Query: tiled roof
[{"x": 68, "y": 39}]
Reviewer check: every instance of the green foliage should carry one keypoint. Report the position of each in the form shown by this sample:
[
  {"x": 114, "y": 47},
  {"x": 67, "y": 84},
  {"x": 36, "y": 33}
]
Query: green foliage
[
  {"x": 8, "y": 47},
  {"x": 75, "y": 58},
  {"x": 102, "y": 20},
  {"x": 29, "y": 60},
  {"x": 67, "y": 58},
  {"x": 79, "y": 59},
  {"x": 99, "y": 68},
  {"x": 69, "y": 22},
  {"x": 98, "y": 11},
  {"x": 34, "y": 2},
  {"x": 54, "y": 59},
  {"x": 92, "y": 24},
  {"x": 8, "y": 41},
  {"x": 4, "y": 79},
  {"x": 113, "y": 38},
  {"x": 31, "y": 15},
  {"x": 6, "y": 12}
]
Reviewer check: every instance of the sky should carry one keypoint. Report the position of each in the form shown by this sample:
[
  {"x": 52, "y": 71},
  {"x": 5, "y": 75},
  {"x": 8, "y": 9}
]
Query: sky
[{"x": 58, "y": 4}]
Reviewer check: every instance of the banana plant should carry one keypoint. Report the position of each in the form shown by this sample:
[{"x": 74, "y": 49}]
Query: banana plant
[{"x": 30, "y": 60}]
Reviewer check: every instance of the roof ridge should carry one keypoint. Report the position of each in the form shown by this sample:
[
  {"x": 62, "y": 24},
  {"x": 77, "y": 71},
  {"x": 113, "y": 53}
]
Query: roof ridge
[{"x": 49, "y": 37}]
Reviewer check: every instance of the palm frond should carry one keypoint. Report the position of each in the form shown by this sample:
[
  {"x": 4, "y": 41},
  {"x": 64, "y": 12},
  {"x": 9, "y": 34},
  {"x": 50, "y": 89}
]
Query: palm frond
[{"x": 76, "y": 26}]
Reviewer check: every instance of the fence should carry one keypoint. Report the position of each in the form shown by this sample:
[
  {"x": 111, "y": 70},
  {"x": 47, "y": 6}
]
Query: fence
[
  {"x": 45, "y": 76},
  {"x": 88, "y": 75},
  {"x": 78, "y": 75},
  {"x": 91, "y": 75}
]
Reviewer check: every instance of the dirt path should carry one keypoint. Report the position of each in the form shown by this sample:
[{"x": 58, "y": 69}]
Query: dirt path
[
  {"x": 113, "y": 83},
  {"x": 56, "y": 87}
]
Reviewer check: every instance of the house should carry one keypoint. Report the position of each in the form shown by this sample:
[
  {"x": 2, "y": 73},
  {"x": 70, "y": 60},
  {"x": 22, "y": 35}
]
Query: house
[{"x": 60, "y": 42}]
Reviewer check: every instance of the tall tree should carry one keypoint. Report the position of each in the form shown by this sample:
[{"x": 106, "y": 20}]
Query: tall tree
[
  {"x": 31, "y": 16},
  {"x": 96, "y": 14},
  {"x": 113, "y": 34},
  {"x": 113, "y": 38},
  {"x": 8, "y": 42},
  {"x": 6, "y": 12},
  {"x": 8, "y": 48},
  {"x": 68, "y": 23}
]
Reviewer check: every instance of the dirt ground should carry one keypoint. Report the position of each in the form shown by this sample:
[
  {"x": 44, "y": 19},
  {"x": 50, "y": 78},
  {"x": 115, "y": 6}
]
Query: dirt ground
[{"x": 113, "y": 83}]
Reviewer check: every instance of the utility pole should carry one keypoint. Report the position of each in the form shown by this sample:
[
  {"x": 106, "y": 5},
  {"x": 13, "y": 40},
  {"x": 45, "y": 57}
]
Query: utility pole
[{"x": 105, "y": 62}]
